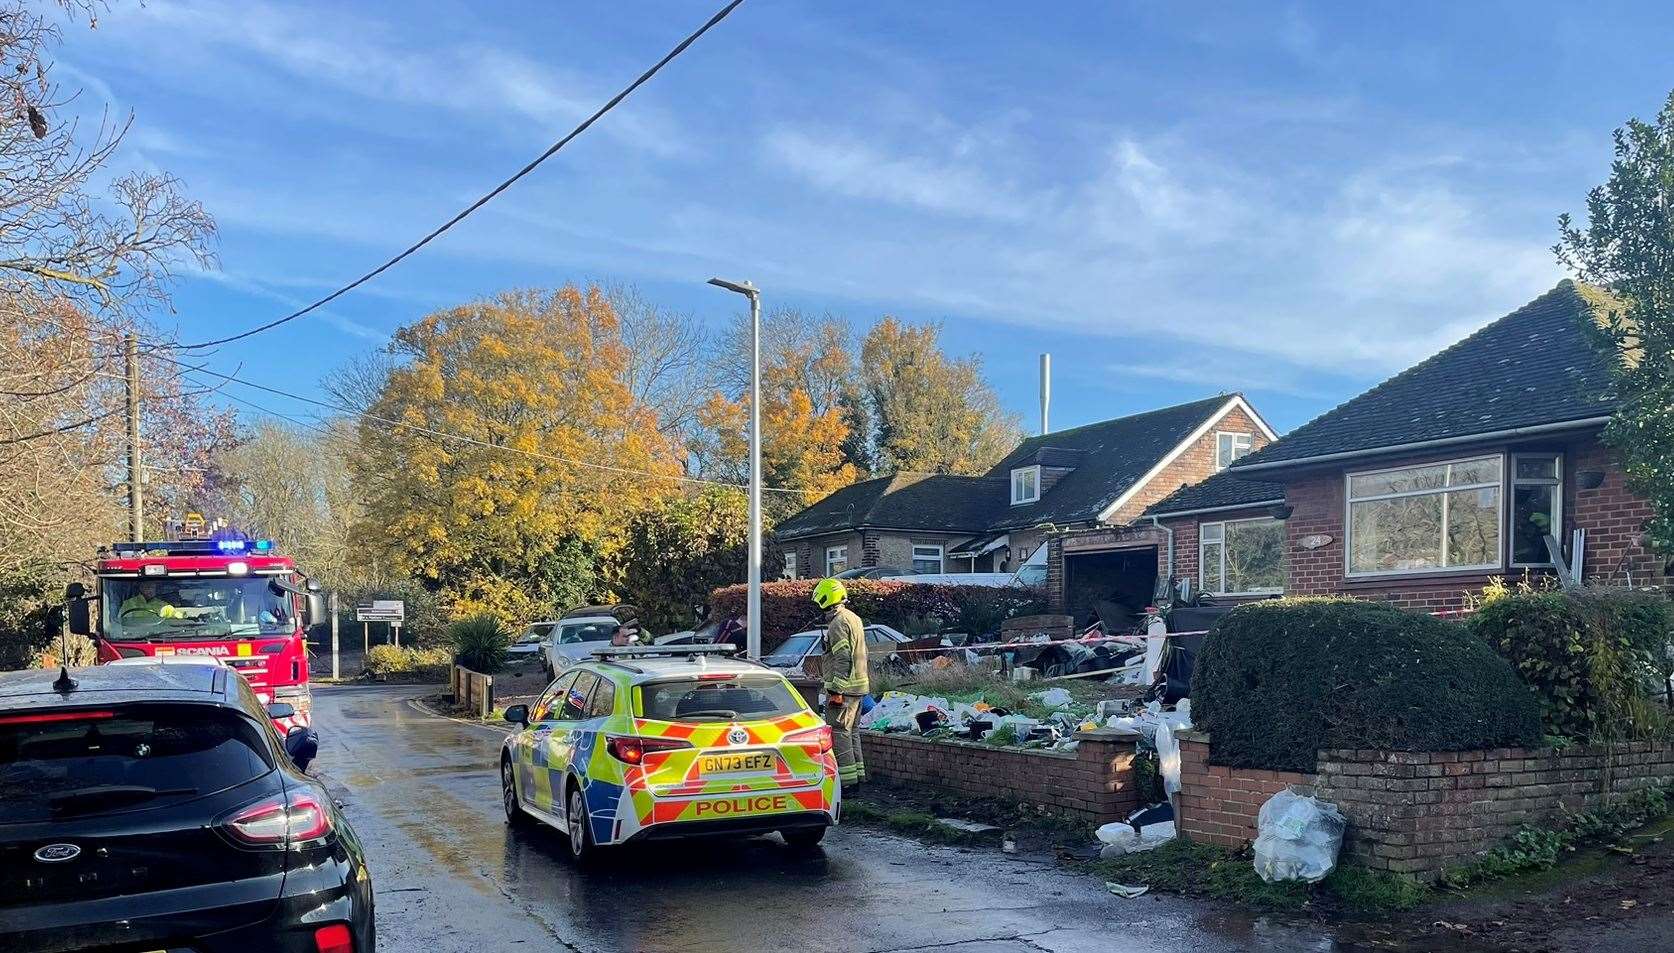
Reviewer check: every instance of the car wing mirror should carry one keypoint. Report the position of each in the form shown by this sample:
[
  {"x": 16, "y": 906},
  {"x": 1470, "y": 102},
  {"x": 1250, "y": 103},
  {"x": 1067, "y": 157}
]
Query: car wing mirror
[
  {"x": 281, "y": 710},
  {"x": 518, "y": 715}
]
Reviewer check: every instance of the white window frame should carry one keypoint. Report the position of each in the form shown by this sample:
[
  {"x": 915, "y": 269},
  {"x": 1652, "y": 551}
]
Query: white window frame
[
  {"x": 941, "y": 561},
  {"x": 1017, "y": 499},
  {"x": 1348, "y": 516},
  {"x": 1220, "y": 435},
  {"x": 1556, "y": 482},
  {"x": 1202, "y": 544},
  {"x": 790, "y": 565},
  {"x": 836, "y": 554}
]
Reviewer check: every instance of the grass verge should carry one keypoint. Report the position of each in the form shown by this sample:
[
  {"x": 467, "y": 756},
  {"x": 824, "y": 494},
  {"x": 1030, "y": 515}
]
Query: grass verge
[
  {"x": 1203, "y": 870},
  {"x": 918, "y": 824}
]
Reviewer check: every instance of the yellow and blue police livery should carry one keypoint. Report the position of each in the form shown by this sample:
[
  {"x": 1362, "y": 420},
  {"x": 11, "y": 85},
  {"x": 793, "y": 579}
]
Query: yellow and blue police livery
[{"x": 645, "y": 742}]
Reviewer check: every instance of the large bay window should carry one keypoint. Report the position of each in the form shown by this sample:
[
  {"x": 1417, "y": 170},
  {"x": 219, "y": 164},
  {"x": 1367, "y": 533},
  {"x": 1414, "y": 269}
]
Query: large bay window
[
  {"x": 1438, "y": 516},
  {"x": 1241, "y": 557}
]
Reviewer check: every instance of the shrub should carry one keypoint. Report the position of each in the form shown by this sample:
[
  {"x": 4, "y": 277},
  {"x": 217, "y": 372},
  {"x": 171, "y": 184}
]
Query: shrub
[
  {"x": 788, "y": 607},
  {"x": 387, "y": 660},
  {"x": 1278, "y": 681},
  {"x": 479, "y": 643},
  {"x": 1590, "y": 655}
]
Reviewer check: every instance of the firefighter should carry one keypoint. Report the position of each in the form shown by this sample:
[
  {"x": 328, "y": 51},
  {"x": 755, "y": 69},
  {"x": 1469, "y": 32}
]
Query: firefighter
[
  {"x": 144, "y": 604},
  {"x": 846, "y": 681}
]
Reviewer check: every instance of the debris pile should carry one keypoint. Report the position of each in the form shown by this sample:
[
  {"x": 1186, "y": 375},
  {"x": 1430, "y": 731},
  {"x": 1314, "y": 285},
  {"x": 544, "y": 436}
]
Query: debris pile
[
  {"x": 934, "y": 716},
  {"x": 1297, "y": 838}
]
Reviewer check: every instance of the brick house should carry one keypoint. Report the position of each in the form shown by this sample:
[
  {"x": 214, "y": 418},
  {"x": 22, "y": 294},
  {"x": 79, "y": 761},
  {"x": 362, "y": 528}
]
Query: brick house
[
  {"x": 1477, "y": 462},
  {"x": 1099, "y": 475},
  {"x": 1226, "y": 536}
]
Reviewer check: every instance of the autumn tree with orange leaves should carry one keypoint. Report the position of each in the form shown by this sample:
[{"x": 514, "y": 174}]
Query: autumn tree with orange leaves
[{"x": 532, "y": 485}]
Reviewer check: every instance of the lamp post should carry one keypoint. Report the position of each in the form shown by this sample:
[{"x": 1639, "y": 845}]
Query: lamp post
[{"x": 752, "y": 612}]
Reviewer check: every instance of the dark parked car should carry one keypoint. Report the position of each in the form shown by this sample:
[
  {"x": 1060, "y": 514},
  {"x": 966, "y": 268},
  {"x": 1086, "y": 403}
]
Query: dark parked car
[{"x": 154, "y": 807}]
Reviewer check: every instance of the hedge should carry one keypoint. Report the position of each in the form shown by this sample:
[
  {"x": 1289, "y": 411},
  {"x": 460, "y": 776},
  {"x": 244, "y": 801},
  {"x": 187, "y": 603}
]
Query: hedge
[
  {"x": 1590, "y": 654},
  {"x": 1278, "y": 681},
  {"x": 788, "y": 607}
]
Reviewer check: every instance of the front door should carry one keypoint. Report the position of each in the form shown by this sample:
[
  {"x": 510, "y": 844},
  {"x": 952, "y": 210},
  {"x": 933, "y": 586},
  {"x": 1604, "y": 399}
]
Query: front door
[
  {"x": 529, "y": 746},
  {"x": 569, "y": 710}
]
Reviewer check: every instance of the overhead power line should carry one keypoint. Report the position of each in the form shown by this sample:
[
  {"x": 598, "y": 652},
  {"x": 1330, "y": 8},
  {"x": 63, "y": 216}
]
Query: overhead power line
[
  {"x": 479, "y": 203},
  {"x": 461, "y": 438}
]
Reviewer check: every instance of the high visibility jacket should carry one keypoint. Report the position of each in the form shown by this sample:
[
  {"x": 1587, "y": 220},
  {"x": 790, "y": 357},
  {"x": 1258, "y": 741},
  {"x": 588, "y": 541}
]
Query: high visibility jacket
[
  {"x": 137, "y": 605},
  {"x": 844, "y": 665}
]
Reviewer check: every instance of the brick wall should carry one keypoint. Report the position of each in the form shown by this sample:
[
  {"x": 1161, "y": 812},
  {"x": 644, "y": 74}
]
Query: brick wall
[
  {"x": 1419, "y": 812},
  {"x": 1195, "y": 464},
  {"x": 1093, "y": 783},
  {"x": 1612, "y": 516},
  {"x": 1219, "y": 805}
]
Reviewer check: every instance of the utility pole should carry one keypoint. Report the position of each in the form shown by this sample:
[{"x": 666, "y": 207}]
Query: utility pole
[
  {"x": 752, "y": 610},
  {"x": 136, "y": 472}
]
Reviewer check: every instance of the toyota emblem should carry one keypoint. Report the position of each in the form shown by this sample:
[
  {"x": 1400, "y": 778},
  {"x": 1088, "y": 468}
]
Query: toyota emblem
[
  {"x": 57, "y": 853},
  {"x": 738, "y": 735}
]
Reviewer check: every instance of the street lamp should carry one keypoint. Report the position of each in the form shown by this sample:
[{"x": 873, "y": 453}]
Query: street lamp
[{"x": 752, "y": 612}]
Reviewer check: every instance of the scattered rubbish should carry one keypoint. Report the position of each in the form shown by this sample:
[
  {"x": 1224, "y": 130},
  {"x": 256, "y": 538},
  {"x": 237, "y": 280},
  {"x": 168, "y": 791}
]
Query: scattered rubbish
[
  {"x": 930, "y": 719},
  {"x": 1120, "y": 838},
  {"x": 1297, "y": 838},
  {"x": 1008, "y": 845},
  {"x": 1114, "y": 708},
  {"x": 1154, "y": 814},
  {"x": 1126, "y": 891},
  {"x": 969, "y": 827},
  {"x": 1023, "y": 673},
  {"x": 1054, "y": 698}
]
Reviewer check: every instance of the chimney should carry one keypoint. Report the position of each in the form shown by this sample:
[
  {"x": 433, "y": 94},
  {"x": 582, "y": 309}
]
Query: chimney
[{"x": 1045, "y": 393}]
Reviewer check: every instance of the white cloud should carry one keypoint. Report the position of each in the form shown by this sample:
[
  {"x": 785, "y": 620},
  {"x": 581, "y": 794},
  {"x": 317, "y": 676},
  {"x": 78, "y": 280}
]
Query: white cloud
[
  {"x": 362, "y": 58},
  {"x": 850, "y": 167}
]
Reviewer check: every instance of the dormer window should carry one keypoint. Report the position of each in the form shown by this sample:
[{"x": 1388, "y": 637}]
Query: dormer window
[
  {"x": 1229, "y": 447},
  {"x": 1025, "y": 485}
]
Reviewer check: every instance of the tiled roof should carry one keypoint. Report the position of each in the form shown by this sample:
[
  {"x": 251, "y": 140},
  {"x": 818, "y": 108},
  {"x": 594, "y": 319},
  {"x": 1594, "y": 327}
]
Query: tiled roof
[
  {"x": 935, "y": 502},
  {"x": 1535, "y": 366},
  {"x": 1222, "y": 490},
  {"x": 1114, "y": 455}
]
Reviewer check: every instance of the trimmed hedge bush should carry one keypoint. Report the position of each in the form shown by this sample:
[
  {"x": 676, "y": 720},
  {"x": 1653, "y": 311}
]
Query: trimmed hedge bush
[
  {"x": 1590, "y": 654},
  {"x": 788, "y": 607},
  {"x": 1280, "y": 680},
  {"x": 386, "y": 660}
]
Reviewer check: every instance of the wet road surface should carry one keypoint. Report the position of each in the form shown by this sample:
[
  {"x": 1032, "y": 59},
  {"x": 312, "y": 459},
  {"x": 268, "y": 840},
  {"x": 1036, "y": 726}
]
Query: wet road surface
[{"x": 423, "y": 794}]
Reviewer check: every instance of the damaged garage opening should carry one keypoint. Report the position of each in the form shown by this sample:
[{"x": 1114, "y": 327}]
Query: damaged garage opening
[{"x": 1109, "y": 576}]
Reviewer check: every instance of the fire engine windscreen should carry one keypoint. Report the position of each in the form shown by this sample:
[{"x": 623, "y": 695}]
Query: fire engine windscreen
[{"x": 172, "y": 608}]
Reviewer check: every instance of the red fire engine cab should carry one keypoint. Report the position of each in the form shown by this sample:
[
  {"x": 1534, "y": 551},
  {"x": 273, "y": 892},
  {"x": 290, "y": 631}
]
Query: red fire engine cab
[{"x": 235, "y": 600}]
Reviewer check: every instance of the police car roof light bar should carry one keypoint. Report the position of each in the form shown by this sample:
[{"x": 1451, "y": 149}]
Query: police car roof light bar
[{"x": 655, "y": 651}]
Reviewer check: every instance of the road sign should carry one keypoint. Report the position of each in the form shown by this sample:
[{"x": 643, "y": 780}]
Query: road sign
[{"x": 381, "y": 610}]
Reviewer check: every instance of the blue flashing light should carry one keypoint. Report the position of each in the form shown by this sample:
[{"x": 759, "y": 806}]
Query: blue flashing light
[
  {"x": 264, "y": 545},
  {"x": 230, "y": 545}
]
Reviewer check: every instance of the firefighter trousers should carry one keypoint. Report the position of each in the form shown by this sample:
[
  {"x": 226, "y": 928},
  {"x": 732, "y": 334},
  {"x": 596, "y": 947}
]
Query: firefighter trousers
[{"x": 845, "y": 740}]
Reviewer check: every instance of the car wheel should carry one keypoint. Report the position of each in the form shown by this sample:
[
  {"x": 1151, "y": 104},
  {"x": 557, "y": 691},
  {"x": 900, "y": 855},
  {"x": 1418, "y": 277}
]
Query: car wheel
[
  {"x": 803, "y": 838},
  {"x": 508, "y": 793},
  {"x": 579, "y": 827}
]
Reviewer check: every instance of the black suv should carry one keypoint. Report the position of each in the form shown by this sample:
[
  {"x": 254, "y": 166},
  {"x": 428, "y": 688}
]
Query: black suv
[{"x": 153, "y": 807}]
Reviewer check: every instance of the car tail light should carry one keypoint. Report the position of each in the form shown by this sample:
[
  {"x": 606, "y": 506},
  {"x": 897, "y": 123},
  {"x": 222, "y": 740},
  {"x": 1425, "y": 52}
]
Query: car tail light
[
  {"x": 716, "y": 677},
  {"x": 631, "y": 750},
  {"x": 813, "y": 736},
  {"x": 334, "y": 938},
  {"x": 288, "y": 820},
  {"x": 56, "y": 716}
]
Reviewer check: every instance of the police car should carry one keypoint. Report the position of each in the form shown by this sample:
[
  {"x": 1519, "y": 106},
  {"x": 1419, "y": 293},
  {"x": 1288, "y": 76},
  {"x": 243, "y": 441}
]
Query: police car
[{"x": 647, "y": 742}]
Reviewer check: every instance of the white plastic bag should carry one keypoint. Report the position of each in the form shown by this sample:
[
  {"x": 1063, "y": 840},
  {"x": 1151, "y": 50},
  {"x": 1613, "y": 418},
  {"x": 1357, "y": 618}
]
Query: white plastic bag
[
  {"x": 1120, "y": 838},
  {"x": 1053, "y": 698},
  {"x": 1297, "y": 838}
]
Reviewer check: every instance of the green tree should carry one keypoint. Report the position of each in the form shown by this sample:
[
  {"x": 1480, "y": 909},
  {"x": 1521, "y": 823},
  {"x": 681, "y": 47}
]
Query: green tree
[
  {"x": 931, "y": 413},
  {"x": 678, "y": 552},
  {"x": 1627, "y": 246}
]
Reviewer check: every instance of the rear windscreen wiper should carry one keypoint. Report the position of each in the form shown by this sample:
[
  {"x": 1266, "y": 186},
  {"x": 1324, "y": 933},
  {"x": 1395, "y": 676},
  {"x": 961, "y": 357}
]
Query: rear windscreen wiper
[{"x": 107, "y": 794}]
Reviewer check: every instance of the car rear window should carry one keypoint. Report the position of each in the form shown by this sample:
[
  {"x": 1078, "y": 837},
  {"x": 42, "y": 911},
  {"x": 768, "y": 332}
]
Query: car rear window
[
  {"x": 123, "y": 758},
  {"x": 750, "y": 698},
  {"x": 792, "y": 649}
]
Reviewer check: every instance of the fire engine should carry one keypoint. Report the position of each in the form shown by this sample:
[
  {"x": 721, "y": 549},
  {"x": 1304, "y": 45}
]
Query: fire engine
[{"x": 232, "y": 599}]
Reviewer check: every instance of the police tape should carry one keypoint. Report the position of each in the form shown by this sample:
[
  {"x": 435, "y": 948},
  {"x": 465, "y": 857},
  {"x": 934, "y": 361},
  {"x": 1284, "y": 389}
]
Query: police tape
[{"x": 985, "y": 648}]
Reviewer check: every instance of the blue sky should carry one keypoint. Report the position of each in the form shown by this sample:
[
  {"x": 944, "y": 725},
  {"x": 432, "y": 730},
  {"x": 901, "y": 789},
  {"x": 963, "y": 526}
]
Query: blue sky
[{"x": 1175, "y": 200}]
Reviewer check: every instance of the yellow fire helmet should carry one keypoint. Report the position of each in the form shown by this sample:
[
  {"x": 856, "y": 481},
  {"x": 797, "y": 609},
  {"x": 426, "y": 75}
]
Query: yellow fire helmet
[{"x": 830, "y": 592}]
